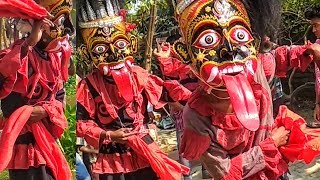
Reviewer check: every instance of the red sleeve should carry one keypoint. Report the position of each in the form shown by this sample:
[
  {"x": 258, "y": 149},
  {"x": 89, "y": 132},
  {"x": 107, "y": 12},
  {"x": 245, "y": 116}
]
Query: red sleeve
[
  {"x": 86, "y": 127},
  {"x": 169, "y": 66},
  {"x": 173, "y": 67},
  {"x": 11, "y": 68},
  {"x": 177, "y": 92},
  {"x": 90, "y": 131},
  {"x": 298, "y": 59},
  {"x": 274, "y": 161},
  {"x": 291, "y": 57},
  {"x": 155, "y": 87}
]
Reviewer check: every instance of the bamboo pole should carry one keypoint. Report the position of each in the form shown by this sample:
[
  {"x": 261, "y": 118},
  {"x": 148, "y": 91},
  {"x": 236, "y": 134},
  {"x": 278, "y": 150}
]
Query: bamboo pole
[
  {"x": 150, "y": 35},
  {"x": 5, "y": 38}
]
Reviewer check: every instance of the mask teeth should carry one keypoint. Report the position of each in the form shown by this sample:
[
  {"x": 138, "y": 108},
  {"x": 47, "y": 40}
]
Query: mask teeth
[
  {"x": 129, "y": 63},
  {"x": 105, "y": 70}
]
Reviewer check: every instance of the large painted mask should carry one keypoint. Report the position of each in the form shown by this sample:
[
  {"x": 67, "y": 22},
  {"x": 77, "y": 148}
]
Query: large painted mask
[
  {"x": 217, "y": 39},
  {"x": 219, "y": 45},
  {"x": 106, "y": 41},
  {"x": 63, "y": 29}
]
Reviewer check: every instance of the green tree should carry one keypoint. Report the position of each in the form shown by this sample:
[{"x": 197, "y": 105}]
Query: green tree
[
  {"x": 294, "y": 24},
  {"x": 152, "y": 18}
]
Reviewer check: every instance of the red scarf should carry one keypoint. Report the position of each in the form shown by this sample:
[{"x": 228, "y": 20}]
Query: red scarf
[
  {"x": 25, "y": 9},
  {"x": 166, "y": 168},
  {"x": 44, "y": 140}
]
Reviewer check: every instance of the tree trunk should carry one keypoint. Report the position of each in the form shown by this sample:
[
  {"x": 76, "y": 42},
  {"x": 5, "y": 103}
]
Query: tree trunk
[
  {"x": 3, "y": 34},
  {"x": 150, "y": 34}
]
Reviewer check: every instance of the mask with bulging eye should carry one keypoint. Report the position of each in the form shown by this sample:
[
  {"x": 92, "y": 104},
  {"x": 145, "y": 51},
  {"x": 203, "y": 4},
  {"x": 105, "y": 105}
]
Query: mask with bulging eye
[
  {"x": 63, "y": 27},
  {"x": 218, "y": 40},
  {"x": 219, "y": 45},
  {"x": 109, "y": 48}
]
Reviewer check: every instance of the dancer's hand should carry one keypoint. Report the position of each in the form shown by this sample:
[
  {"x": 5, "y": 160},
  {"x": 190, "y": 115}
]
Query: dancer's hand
[
  {"x": 163, "y": 51},
  {"x": 280, "y": 136},
  {"x": 122, "y": 135},
  {"x": 37, "y": 29},
  {"x": 314, "y": 49},
  {"x": 37, "y": 114}
]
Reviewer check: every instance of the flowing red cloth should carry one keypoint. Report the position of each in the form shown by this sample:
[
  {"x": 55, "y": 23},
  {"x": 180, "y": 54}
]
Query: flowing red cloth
[
  {"x": 166, "y": 168},
  {"x": 44, "y": 140},
  {"x": 303, "y": 143},
  {"x": 291, "y": 57},
  {"x": 26, "y": 9}
]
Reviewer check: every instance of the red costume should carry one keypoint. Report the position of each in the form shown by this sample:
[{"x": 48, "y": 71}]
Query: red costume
[
  {"x": 228, "y": 119},
  {"x": 115, "y": 95},
  {"x": 34, "y": 76}
]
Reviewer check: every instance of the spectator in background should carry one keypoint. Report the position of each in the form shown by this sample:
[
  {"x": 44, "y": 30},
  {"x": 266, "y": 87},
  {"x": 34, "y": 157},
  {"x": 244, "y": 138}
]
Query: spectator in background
[
  {"x": 82, "y": 172},
  {"x": 314, "y": 16},
  {"x": 88, "y": 156}
]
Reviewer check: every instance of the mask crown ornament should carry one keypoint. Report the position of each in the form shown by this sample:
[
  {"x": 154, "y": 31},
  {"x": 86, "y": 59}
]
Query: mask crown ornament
[
  {"x": 99, "y": 14},
  {"x": 63, "y": 28},
  {"x": 55, "y": 7}
]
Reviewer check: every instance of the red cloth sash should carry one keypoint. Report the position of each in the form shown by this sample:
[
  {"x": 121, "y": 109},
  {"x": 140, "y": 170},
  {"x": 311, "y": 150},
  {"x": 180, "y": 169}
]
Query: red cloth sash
[
  {"x": 44, "y": 140},
  {"x": 26, "y": 9},
  {"x": 166, "y": 168}
]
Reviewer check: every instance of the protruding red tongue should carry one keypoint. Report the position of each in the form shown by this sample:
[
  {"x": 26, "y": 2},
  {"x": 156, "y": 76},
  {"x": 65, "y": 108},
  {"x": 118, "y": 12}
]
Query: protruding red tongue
[
  {"x": 124, "y": 83},
  {"x": 243, "y": 101}
]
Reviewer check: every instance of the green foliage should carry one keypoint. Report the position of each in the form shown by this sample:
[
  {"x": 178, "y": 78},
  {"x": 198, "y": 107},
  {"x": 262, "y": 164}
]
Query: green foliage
[
  {"x": 4, "y": 175},
  {"x": 294, "y": 24},
  {"x": 139, "y": 13},
  {"x": 69, "y": 137},
  {"x": 71, "y": 84}
]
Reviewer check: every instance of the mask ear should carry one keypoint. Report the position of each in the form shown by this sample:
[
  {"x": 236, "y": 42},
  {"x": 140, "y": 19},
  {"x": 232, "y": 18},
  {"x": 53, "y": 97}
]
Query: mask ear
[
  {"x": 134, "y": 44},
  {"x": 82, "y": 51},
  {"x": 84, "y": 63},
  {"x": 180, "y": 49}
]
